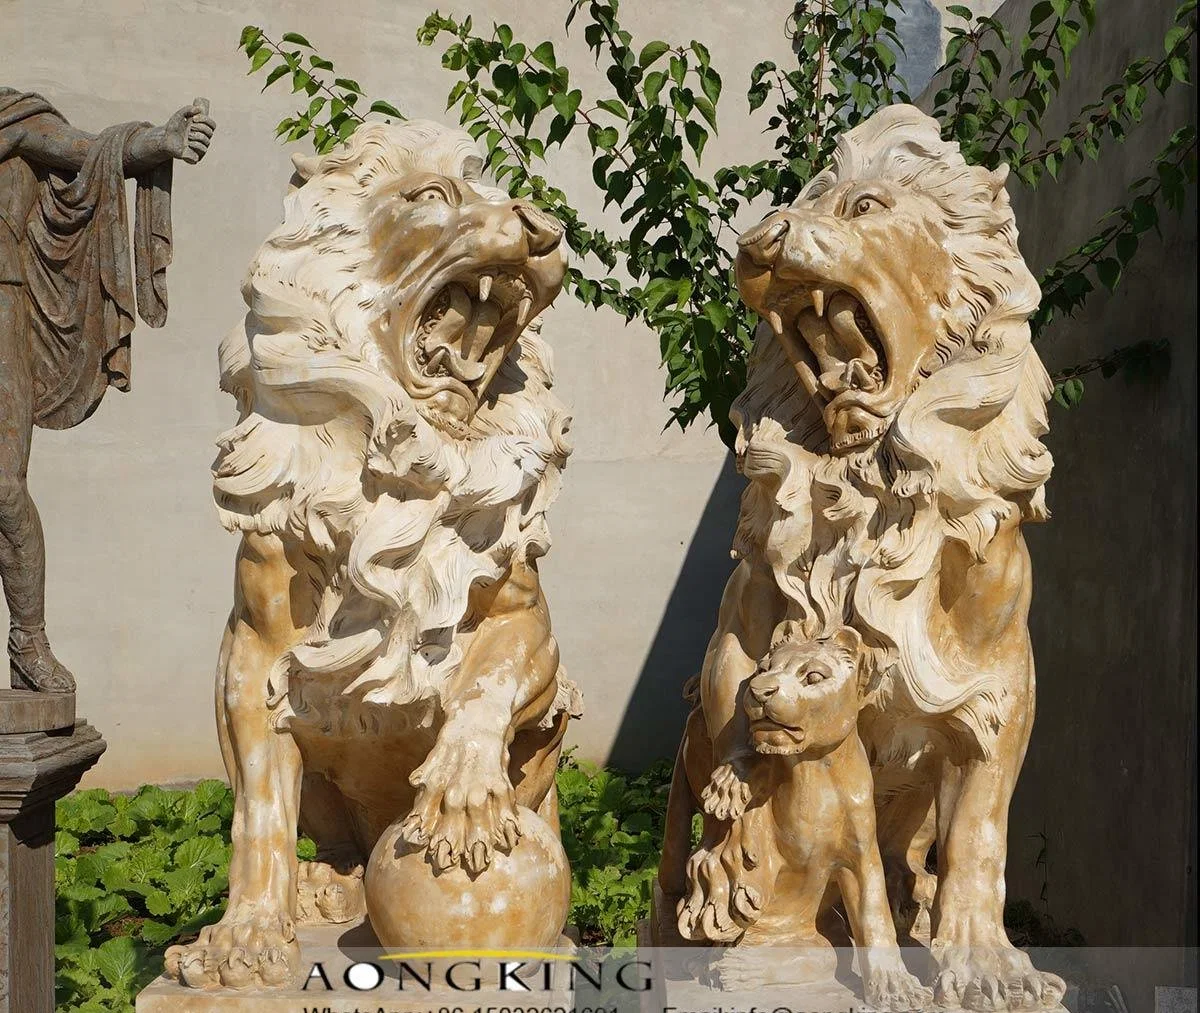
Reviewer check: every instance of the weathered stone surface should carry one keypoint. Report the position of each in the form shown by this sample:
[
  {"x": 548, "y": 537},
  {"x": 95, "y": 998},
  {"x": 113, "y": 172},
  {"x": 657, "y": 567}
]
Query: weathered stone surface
[
  {"x": 36, "y": 769},
  {"x": 389, "y": 680},
  {"x": 67, "y": 308},
  {"x": 890, "y": 432},
  {"x": 24, "y": 711}
]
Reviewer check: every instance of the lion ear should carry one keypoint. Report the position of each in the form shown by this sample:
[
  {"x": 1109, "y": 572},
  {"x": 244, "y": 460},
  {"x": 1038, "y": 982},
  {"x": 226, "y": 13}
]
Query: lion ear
[
  {"x": 999, "y": 178},
  {"x": 305, "y": 168},
  {"x": 784, "y": 632},
  {"x": 847, "y": 639}
]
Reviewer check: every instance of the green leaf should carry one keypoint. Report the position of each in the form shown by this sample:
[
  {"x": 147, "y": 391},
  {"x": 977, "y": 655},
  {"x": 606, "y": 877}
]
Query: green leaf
[
  {"x": 386, "y": 108},
  {"x": 566, "y": 103},
  {"x": 1108, "y": 271},
  {"x": 652, "y": 85},
  {"x": 651, "y": 52},
  {"x": 276, "y": 73},
  {"x": 544, "y": 54},
  {"x": 615, "y": 107},
  {"x": 260, "y": 60},
  {"x": 200, "y": 853},
  {"x": 710, "y": 84},
  {"x": 296, "y": 39},
  {"x": 117, "y": 960}
]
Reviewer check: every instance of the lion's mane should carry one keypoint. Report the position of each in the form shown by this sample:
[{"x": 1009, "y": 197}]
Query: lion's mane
[
  {"x": 331, "y": 450},
  {"x": 961, "y": 458}
]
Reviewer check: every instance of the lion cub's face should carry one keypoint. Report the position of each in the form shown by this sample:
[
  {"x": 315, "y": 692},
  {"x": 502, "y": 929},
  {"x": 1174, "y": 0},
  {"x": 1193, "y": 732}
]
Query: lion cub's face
[
  {"x": 469, "y": 270},
  {"x": 855, "y": 280},
  {"x": 804, "y": 697}
]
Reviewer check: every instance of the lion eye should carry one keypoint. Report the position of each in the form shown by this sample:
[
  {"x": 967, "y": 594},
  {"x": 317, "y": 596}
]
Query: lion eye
[
  {"x": 431, "y": 191},
  {"x": 812, "y": 678},
  {"x": 866, "y": 204}
]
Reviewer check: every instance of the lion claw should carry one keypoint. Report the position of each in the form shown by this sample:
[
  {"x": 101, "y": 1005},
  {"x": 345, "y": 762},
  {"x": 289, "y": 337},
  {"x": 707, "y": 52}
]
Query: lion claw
[
  {"x": 465, "y": 810},
  {"x": 247, "y": 948}
]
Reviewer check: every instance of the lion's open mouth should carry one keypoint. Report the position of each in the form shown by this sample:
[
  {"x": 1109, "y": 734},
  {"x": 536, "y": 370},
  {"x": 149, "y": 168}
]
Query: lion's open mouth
[
  {"x": 836, "y": 349},
  {"x": 470, "y": 324}
]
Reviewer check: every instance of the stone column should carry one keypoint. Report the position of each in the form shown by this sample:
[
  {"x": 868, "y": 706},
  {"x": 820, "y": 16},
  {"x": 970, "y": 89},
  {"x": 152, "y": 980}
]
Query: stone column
[{"x": 43, "y": 753}]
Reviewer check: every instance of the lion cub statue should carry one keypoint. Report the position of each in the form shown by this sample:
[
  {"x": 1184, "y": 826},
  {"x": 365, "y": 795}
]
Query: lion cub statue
[
  {"x": 388, "y": 682},
  {"x": 762, "y": 877}
]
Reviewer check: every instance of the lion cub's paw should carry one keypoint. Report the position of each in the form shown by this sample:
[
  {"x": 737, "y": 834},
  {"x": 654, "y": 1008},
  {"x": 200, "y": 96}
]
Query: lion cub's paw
[
  {"x": 247, "y": 948},
  {"x": 465, "y": 808},
  {"x": 727, "y": 793},
  {"x": 326, "y": 894},
  {"x": 888, "y": 984}
]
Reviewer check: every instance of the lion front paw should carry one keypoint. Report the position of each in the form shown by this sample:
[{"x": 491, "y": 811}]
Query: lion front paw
[
  {"x": 993, "y": 978},
  {"x": 329, "y": 895},
  {"x": 888, "y": 984},
  {"x": 247, "y": 948},
  {"x": 727, "y": 793},
  {"x": 465, "y": 807},
  {"x": 728, "y": 889}
]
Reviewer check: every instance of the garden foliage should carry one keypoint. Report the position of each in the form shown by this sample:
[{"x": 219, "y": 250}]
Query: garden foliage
[{"x": 136, "y": 873}]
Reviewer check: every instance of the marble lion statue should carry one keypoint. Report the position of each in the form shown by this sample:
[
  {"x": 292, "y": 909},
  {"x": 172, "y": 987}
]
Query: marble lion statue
[
  {"x": 890, "y": 434},
  {"x": 389, "y": 658}
]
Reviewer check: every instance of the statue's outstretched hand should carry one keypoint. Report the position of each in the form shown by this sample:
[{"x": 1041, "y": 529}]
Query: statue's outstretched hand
[{"x": 189, "y": 132}]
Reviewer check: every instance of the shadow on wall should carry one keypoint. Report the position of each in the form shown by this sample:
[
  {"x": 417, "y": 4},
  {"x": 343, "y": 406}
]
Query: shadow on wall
[{"x": 652, "y": 724}]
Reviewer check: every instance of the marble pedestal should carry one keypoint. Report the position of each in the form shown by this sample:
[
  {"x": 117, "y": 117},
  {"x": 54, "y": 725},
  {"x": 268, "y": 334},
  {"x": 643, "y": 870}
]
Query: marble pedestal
[{"x": 38, "y": 766}]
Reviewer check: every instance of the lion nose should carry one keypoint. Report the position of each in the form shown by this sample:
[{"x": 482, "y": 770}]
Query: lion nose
[
  {"x": 763, "y": 243},
  {"x": 763, "y": 687},
  {"x": 542, "y": 233}
]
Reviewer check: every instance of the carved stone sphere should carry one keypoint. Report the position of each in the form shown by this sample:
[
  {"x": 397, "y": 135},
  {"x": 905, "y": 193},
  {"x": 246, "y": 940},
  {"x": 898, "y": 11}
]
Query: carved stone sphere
[{"x": 519, "y": 901}]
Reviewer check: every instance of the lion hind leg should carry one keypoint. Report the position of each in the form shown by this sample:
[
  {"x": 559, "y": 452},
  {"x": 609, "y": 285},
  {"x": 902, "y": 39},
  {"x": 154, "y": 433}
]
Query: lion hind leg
[{"x": 329, "y": 889}]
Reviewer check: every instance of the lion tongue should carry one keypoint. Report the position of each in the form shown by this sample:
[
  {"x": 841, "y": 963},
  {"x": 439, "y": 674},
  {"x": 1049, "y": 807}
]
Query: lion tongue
[
  {"x": 852, "y": 344},
  {"x": 478, "y": 334},
  {"x": 452, "y": 322},
  {"x": 461, "y": 335}
]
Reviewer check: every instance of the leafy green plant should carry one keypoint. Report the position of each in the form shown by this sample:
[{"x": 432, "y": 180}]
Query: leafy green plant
[
  {"x": 612, "y": 830},
  {"x": 134, "y": 874},
  {"x": 669, "y": 261}
]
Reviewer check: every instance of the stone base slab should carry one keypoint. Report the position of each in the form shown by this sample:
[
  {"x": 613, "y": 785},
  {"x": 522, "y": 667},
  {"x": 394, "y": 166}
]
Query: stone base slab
[
  {"x": 22, "y": 710},
  {"x": 336, "y": 948}
]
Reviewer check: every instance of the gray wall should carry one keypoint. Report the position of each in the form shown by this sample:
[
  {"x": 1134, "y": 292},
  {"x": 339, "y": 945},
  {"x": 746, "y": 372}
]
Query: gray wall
[{"x": 1110, "y": 777}]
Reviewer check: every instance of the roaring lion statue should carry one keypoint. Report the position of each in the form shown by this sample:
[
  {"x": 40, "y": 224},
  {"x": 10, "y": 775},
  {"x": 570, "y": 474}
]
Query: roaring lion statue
[
  {"x": 890, "y": 432},
  {"x": 389, "y": 661}
]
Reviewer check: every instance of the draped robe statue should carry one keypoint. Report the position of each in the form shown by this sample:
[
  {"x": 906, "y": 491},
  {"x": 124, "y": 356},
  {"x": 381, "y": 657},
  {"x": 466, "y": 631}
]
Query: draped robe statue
[{"x": 67, "y": 298}]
